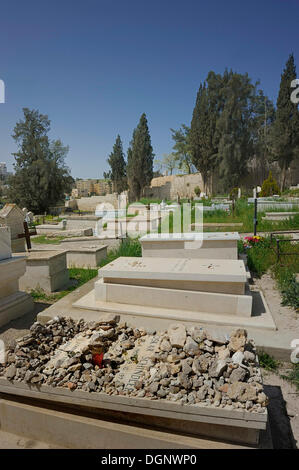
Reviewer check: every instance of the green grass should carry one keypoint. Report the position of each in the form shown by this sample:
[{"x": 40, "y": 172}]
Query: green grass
[
  {"x": 243, "y": 213},
  {"x": 80, "y": 276},
  {"x": 129, "y": 247},
  {"x": 267, "y": 361},
  {"x": 147, "y": 200},
  {"x": 292, "y": 375},
  {"x": 44, "y": 239},
  {"x": 262, "y": 257}
]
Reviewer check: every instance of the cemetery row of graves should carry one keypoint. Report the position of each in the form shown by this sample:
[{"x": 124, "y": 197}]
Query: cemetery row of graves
[{"x": 146, "y": 321}]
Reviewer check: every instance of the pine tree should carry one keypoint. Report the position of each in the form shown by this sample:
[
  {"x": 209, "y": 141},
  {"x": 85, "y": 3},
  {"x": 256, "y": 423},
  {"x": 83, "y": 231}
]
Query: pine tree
[
  {"x": 117, "y": 164},
  {"x": 140, "y": 159},
  {"x": 286, "y": 126},
  {"x": 41, "y": 177}
]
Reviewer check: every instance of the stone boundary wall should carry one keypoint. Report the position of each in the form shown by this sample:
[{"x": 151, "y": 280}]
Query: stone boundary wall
[
  {"x": 169, "y": 187},
  {"x": 90, "y": 203}
]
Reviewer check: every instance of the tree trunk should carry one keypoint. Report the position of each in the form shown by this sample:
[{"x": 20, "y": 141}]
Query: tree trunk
[{"x": 283, "y": 178}]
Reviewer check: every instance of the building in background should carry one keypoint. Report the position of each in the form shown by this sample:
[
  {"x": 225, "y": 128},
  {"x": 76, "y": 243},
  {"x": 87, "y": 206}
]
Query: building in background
[
  {"x": 3, "y": 170},
  {"x": 91, "y": 187}
]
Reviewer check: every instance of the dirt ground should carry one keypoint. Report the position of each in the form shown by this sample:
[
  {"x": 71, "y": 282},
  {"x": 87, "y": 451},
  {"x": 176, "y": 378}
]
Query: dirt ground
[
  {"x": 283, "y": 407},
  {"x": 284, "y": 398},
  {"x": 283, "y": 410},
  {"x": 286, "y": 318}
]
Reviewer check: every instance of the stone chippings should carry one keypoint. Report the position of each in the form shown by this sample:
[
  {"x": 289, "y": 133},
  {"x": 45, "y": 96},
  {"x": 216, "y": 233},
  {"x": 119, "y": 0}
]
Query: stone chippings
[{"x": 190, "y": 365}]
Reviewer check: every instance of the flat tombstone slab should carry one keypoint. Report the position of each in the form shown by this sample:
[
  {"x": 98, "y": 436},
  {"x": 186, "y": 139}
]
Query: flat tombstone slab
[
  {"x": 85, "y": 256},
  {"x": 45, "y": 269},
  {"x": 196, "y": 226},
  {"x": 5, "y": 243},
  {"x": 280, "y": 215},
  {"x": 220, "y": 245},
  {"x": 225, "y": 276}
]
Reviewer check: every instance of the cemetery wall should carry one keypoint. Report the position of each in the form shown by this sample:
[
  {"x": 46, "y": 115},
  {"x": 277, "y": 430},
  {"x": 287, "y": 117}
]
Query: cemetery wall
[
  {"x": 168, "y": 187},
  {"x": 90, "y": 203}
]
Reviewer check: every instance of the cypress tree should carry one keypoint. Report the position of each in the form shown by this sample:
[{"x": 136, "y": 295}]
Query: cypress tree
[
  {"x": 286, "y": 125},
  {"x": 117, "y": 164},
  {"x": 202, "y": 132},
  {"x": 140, "y": 159},
  {"x": 234, "y": 128}
]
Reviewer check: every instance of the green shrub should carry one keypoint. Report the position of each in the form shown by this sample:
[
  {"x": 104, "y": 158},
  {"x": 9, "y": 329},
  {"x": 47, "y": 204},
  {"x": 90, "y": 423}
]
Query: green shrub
[
  {"x": 293, "y": 375},
  {"x": 129, "y": 247},
  {"x": 288, "y": 285},
  {"x": 197, "y": 191},
  {"x": 269, "y": 186},
  {"x": 267, "y": 362},
  {"x": 234, "y": 193},
  {"x": 260, "y": 257}
]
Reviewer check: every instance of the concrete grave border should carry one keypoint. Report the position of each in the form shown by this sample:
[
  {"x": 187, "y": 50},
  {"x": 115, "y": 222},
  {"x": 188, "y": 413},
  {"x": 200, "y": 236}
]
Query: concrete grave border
[{"x": 236, "y": 425}]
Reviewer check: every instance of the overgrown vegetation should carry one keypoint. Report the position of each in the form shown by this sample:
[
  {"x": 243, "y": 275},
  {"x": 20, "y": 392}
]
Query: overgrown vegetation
[
  {"x": 242, "y": 213},
  {"x": 129, "y": 247},
  {"x": 44, "y": 239},
  {"x": 267, "y": 361},
  {"x": 292, "y": 375},
  {"x": 262, "y": 257}
]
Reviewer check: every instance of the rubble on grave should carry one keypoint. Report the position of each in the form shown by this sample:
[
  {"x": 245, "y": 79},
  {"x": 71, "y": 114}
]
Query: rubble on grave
[{"x": 183, "y": 365}]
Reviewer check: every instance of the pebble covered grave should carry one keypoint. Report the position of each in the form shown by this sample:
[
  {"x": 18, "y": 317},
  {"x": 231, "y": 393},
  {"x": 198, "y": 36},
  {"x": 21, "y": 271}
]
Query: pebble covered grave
[{"x": 184, "y": 365}]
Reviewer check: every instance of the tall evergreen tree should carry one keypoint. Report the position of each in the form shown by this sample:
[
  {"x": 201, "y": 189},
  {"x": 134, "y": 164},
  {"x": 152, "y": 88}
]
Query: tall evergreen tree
[
  {"x": 41, "y": 177},
  {"x": 140, "y": 159},
  {"x": 286, "y": 126},
  {"x": 117, "y": 164},
  {"x": 203, "y": 151},
  {"x": 234, "y": 128},
  {"x": 264, "y": 117}
]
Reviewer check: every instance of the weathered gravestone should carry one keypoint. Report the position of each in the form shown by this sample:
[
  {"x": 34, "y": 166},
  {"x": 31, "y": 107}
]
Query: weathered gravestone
[
  {"x": 13, "y": 303},
  {"x": 13, "y": 217}
]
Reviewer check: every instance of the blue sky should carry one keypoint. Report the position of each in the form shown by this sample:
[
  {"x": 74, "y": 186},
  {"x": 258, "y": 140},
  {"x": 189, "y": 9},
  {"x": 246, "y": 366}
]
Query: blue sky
[{"x": 95, "y": 66}]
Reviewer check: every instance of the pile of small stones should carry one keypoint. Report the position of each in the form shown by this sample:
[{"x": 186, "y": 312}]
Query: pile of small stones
[
  {"x": 27, "y": 357},
  {"x": 193, "y": 366},
  {"x": 190, "y": 365}
]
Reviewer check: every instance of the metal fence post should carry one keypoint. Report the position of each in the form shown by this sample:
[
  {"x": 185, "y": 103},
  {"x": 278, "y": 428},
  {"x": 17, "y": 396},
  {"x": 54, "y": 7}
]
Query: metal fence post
[{"x": 255, "y": 217}]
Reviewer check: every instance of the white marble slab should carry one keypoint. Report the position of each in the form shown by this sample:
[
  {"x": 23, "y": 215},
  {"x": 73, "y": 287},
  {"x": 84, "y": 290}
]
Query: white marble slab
[
  {"x": 188, "y": 236},
  {"x": 201, "y": 245},
  {"x": 175, "y": 269}
]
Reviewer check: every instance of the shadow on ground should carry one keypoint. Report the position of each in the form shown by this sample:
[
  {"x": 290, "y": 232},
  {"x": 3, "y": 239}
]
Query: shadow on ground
[
  {"x": 281, "y": 431},
  {"x": 20, "y": 326}
]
